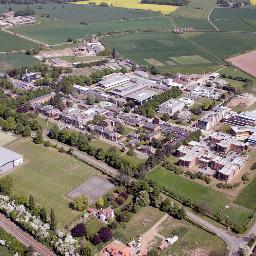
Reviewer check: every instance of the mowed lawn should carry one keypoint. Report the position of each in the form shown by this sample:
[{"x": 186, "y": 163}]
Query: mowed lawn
[
  {"x": 247, "y": 198},
  {"x": 159, "y": 46},
  {"x": 139, "y": 224},
  {"x": 48, "y": 175},
  {"x": 10, "y": 42},
  {"x": 200, "y": 193},
  {"x": 53, "y": 31},
  {"x": 6, "y": 138}
]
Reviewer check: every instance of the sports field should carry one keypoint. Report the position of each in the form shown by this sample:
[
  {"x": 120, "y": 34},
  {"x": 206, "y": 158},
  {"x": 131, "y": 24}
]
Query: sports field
[
  {"x": 247, "y": 196},
  {"x": 198, "y": 193},
  {"x": 135, "y": 4},
  {"x": 16, "y": 60},
  {"x": 48, "y": 175},
  {"x": 6, "y": 138},
  {"x": 164, "y": 48},
  {"x": 10, "y": 42},
  {"x": 58, "y": 31}
]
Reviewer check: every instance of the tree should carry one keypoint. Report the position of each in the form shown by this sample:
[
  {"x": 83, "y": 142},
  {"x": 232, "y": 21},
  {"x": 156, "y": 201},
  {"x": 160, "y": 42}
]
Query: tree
[
  {"x": 143, "y": 198},
  {"x": 6, "y": 185},
  {"x": 31, "y": 203},
  {"x": 151, "y": 113},
  {"x": 43, "y": 215},
  {"x": 39, "y": 137},
  {"x": 79, "y": 230},
  {"x": 80, "y": 203},
  {"x": 30, "y": 251},
  {"x": 114, "y": 53},
  {"x": 27, "y": 131},
  {"x": 105, "y": 234},
  {"x": 203, "y": 207},
  {"x": 166, "y": 205},
  {"x": 96, "y": 239},
  {"x": 53, "y": 221},
  {"x": 86, "y": 251}
]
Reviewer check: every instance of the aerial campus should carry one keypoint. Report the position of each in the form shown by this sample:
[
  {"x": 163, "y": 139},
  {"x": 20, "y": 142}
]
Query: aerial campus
[{"x": 128, "y": 127}]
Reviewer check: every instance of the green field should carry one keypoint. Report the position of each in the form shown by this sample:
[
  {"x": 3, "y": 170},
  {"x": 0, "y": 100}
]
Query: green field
[
  {"x": 233, "y": 13},
  {"x": 135, "y": 226},
  {"x": 190, "y": 60},
  {"x": 10, "y": 42},
  {"x": 84, "y": 59},
  {"x": 48, "y": 175},
  {"x": 222, "y": 44},
  {"x": 6, "y": 138},
  {"x": 247, "y": 197},
  {"x": 191, "y": 239},
  {"x": 197, "y": 193},
  {"x": 16, "y": 60},
  {"x": 57, "y": 31},
  {"x": 156, "y": 46},
  {"x": 4, "y": 251}
]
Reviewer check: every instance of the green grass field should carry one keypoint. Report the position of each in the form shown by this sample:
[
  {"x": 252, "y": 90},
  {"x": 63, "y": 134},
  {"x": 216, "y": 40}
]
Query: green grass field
[
  {"x": 16, "y": 60},
  {"x": 191, "y": 239},
  {"x": 4, "y": 251},
  {"x": 190, "y": 60},
  {"x": 48, "y": 175},
  {"x": 233, "y": 13},
  {"x": 219, "y": 44},
  {"x": 233, "y": 25},
  {"x": 57, "y": 31},
  {"x": 6, "y": 138},
  {"x": 156, "y": 46},
  {"x": 197, "y": 193},
  {"x": 135, "y": 226},
  {"x": 247, "y": 196},
  {"x": 84, "y": 59},
  {"x": 10, "y": 42}
]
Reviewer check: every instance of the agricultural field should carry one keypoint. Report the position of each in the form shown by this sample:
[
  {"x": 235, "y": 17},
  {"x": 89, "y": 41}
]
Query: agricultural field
[
  {"x": 247, "y": 196},
  {"x": 134, "y": 4},
  {"x": 233, "y": 25},
  {"x": 218, "y": 44},
  {"x": 17, "y": 60},
  {"x": 84, "y": 59},
  {"x": 233, "y": 13},
  {"x": 144, "y": 48},
  {"x": 195, "y": 24},
  {"x": 135, "y": 226},
  {"x": 198, "y": 193},
  {"x": 192, "y": 239},
  {"x": 58, "y": 31},
  {"x": 10, "y": 43},
  {"x": 48, "y": 175}
]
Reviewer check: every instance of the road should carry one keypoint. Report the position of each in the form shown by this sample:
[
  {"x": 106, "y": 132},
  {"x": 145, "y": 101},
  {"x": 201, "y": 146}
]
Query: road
[{"x": 23, "y": 237}]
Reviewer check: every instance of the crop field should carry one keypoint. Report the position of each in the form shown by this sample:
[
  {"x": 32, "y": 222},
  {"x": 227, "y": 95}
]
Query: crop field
[
  {"x": 48, "y": 175},
  {"x": 233, "y": 13},
  {"x": 57, "y": 31},
  {"x": 196, "y": 24},
  {"x": 245, "y": 62},
  {"x": 158, "y": 46},
  {"x": 187, "y": 60},
  {"x": 135, "y": 4},
  {"x": 247, "y": 196},
  {"x": 219, "y": 44},
  {"x": 17, "y": 60},
  {"x": 198, "y": 193},
  {"x": 10, "y": 42}
]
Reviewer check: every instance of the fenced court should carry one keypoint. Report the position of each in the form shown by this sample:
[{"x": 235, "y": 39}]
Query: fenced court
[{"x": 94, "y": 188}]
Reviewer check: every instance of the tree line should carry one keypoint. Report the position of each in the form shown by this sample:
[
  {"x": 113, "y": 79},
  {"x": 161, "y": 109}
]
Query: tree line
[{"x": 166, "y": 2}]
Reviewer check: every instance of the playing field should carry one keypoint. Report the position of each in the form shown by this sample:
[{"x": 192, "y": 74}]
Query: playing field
[
  {"x": 198, "y": 193},
  {"x": 10, "y": 42},
  {"x": 135, "y": 4},
  {"x": 48, "y": 175},
  {"x": 6, "y": 138},
  {"x": 17, "y": 60},
  {"x": 247, "y": 196},
  {"x": 57, "y": 31},
  {"x": 160, "y": 48}
]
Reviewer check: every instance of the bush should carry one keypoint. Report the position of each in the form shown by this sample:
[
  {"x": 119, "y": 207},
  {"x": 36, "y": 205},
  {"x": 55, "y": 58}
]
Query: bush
[
  {"x": 79, "y": 230},
  {"x": 47, "y": 143},
  {"x": 79, "y": 203},
  {"x": 105, "y": 234},
  {"x": 96, "y": 239}
]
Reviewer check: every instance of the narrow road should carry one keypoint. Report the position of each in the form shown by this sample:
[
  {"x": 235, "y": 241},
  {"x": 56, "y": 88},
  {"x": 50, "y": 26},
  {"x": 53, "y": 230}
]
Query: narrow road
[
  {"x": 23, "y": 237},
  {"x": 233, "y": 241}
]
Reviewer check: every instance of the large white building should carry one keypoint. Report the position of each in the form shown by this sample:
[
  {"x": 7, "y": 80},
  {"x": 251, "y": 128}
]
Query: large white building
[
  {"x": 9, "y": 159},
  {"x": 171, "y": 107}
]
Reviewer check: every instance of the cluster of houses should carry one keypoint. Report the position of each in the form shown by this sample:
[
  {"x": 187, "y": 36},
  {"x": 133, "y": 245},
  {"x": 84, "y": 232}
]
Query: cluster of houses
[
  {"x": 8, "y": 19},
  {"x": 217, "y": 154}
]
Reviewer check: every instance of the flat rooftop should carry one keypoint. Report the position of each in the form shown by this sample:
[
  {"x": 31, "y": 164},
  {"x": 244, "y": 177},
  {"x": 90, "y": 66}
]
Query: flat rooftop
[{"x": 142, "y": 95}]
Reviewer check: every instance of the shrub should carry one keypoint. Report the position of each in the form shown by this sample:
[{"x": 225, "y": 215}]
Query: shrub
[
  {"x": 105, "y": 234},
  {"x": 96, "y": 239},
  {"x": 47, "y": 143},
  {"x": 79, "y": 203}
]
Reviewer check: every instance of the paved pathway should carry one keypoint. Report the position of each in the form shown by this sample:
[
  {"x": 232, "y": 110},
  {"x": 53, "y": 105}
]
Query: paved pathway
[{"x": 23, "y": 237}]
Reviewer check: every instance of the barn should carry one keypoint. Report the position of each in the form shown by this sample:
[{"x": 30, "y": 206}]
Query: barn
[{"x": 9, "y": 159}]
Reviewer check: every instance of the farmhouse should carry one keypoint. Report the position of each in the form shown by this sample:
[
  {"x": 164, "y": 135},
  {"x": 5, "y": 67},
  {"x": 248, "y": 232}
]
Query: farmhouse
[{"x": 9, "y": 159}]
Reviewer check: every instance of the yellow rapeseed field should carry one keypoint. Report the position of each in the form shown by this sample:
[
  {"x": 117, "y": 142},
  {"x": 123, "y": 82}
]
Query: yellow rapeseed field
[{"x": 134, "y": 4}]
